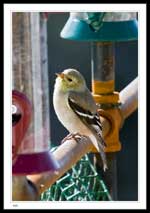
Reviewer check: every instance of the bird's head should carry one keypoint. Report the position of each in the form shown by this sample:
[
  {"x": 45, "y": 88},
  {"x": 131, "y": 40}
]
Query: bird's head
[{"x": 70, "y": 80}]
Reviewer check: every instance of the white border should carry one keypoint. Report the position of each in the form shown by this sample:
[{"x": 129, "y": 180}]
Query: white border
[{"x": 141, "y": 9}]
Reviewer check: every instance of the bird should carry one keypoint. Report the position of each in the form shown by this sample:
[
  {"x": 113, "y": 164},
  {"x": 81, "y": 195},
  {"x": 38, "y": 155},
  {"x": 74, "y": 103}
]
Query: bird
[{"x": 76, "y": 109}]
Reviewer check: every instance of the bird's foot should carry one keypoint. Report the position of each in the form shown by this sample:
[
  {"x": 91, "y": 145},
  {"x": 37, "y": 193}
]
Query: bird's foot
[{"x": 76, "y": 136}]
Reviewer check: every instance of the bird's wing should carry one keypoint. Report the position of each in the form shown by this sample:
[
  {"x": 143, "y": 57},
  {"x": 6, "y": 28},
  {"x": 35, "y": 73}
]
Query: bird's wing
[{"x": 85, "y": 108}]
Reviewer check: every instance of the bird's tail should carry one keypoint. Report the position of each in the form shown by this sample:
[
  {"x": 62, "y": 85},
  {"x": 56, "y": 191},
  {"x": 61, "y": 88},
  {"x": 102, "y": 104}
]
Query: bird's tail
[
  {"x": 99, "y": 145},
  {"x": 102, "y": 154},
  {"x": 103, "y": 157}
]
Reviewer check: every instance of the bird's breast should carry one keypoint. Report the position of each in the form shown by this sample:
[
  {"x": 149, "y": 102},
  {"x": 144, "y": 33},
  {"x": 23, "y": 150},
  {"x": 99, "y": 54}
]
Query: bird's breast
[{"x": 66, "y": 115}]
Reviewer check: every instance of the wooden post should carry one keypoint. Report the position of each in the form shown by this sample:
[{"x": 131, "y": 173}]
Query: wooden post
[{"x": 30, "y": 76}]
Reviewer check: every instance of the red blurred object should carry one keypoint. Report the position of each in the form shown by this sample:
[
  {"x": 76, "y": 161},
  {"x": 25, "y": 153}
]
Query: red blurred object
[
  {"x": 21, "y": 117},
  {"x": 26, "y": 159},
  {"x": 46, "y": 14}
]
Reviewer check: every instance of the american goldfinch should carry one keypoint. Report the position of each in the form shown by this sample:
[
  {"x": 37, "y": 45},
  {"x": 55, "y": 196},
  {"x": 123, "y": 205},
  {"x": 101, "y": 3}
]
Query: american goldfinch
[{"x": 76, "y": 109}]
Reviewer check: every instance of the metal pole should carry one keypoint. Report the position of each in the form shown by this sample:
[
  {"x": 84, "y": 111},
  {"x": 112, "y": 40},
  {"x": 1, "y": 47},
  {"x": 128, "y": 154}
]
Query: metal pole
[
  {"x": 127, "y": 96},
  {"x": 103, "y": 76}
]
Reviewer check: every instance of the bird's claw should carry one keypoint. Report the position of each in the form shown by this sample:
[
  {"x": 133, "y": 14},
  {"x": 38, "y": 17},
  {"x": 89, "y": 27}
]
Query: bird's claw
[{"x": 76, "y": 136}]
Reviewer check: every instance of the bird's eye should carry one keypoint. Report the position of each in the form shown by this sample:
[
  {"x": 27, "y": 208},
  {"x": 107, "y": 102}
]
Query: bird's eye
[{"x": 69, "y": 79}]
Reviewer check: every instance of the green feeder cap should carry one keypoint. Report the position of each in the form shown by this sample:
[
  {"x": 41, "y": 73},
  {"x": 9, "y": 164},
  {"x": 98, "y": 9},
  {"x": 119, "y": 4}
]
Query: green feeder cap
[{"x": 101, "y": 27}]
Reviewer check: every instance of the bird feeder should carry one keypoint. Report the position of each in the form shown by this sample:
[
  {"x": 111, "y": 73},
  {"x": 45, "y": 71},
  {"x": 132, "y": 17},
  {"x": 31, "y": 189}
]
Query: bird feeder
[
  {"x": 21, "y": 118},
  {"x": 30, "y": 99},
  {"x": 102, "y": 30},
  {"x": 110, "y": 26}
]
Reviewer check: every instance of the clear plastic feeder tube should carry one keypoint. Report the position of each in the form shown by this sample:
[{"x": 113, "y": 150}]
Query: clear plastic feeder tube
[
  {"x": 30, "y": 77},
  {"x": 103, "y": 65}
]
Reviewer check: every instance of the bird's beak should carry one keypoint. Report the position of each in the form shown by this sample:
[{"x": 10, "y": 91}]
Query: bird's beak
[{"x": 61, "y": 75}]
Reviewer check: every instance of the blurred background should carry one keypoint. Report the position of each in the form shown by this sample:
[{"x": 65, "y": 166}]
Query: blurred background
[{"x": 63, "y": 54}]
